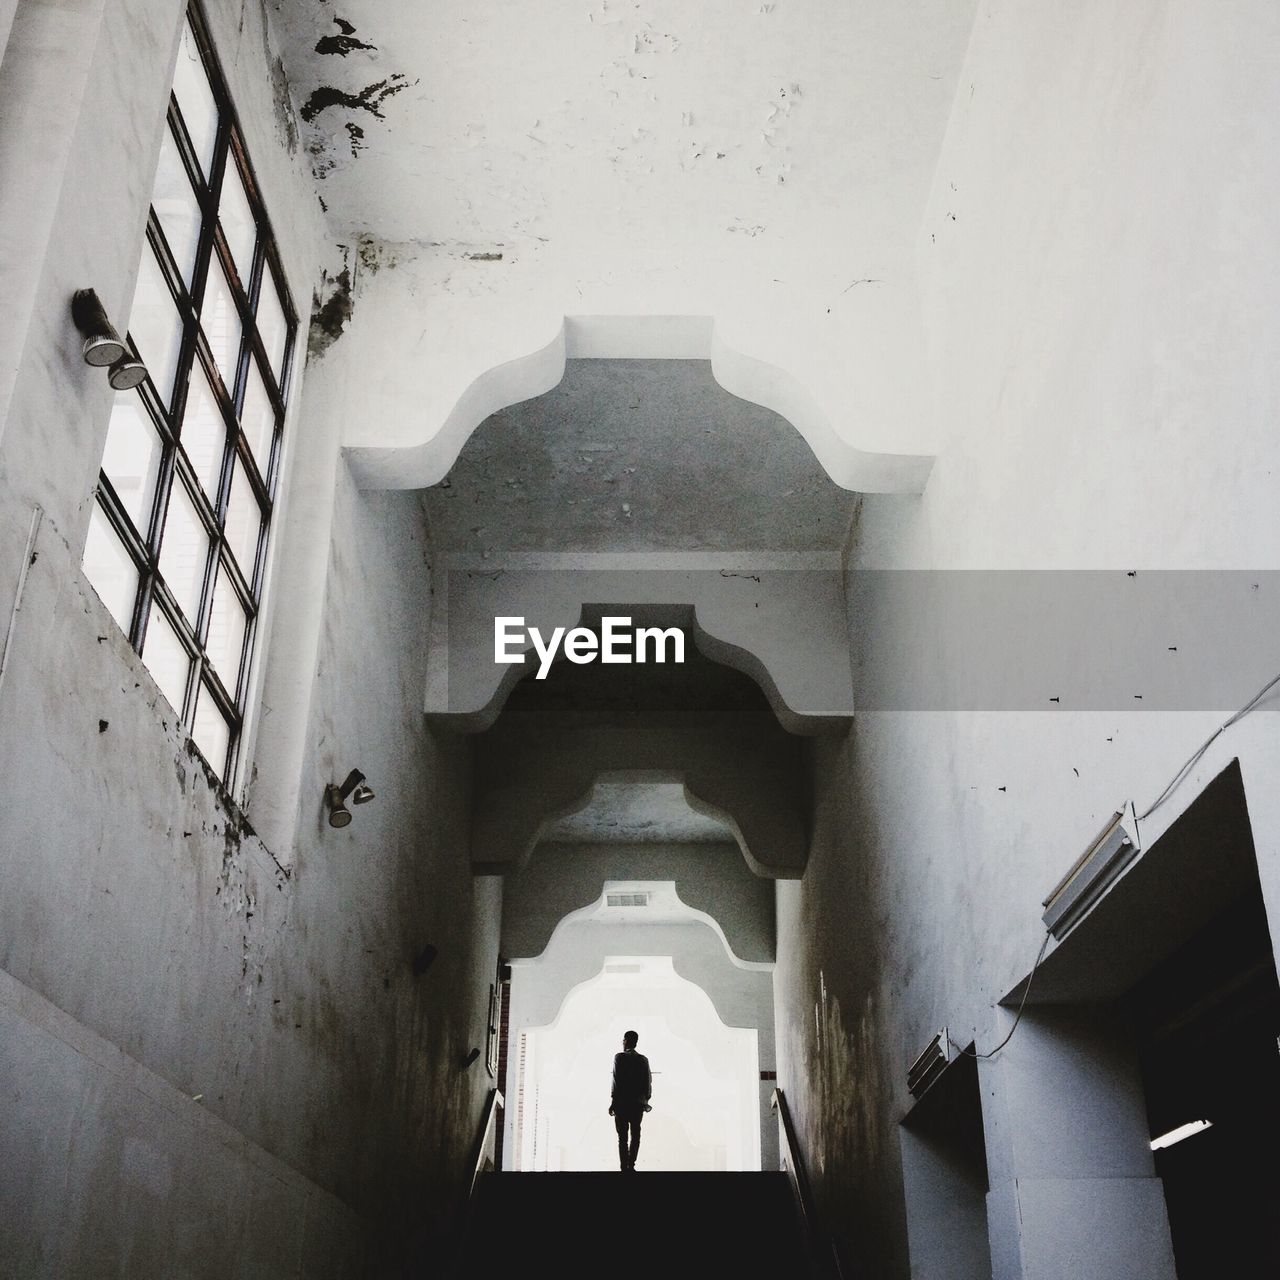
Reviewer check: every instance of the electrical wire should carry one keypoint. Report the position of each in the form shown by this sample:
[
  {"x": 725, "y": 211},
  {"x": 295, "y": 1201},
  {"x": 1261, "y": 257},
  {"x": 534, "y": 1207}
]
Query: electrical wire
[
  {"x": 1194, "y": 759},
  {"x": 1177, "y": 779},
  {"x": 1017, "y": 1017}
]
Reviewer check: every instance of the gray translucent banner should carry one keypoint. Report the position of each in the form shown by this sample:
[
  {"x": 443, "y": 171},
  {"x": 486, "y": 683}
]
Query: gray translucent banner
[
  {"x": 1075, "y": 640},
  {"x": 833, "y": 644}
]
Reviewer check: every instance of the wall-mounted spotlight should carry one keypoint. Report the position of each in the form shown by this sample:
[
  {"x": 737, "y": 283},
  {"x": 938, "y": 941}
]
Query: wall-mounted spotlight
[
  {"x": 336, "y": 797},
  {"x": 103, "y": 346},
  {"x": 471, "y": 1058}
]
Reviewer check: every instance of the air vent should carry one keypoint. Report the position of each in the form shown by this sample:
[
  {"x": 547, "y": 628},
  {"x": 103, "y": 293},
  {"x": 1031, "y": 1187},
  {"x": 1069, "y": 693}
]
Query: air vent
[{"x": 626, "y": 900}]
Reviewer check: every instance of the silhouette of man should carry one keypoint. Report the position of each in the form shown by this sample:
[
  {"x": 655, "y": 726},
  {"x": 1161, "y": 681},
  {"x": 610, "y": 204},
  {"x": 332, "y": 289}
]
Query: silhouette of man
[{"x": 629, "y": 1099}]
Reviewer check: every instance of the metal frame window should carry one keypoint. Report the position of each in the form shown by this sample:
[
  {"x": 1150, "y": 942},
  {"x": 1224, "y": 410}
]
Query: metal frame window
[{"x": 178, "y": 535}]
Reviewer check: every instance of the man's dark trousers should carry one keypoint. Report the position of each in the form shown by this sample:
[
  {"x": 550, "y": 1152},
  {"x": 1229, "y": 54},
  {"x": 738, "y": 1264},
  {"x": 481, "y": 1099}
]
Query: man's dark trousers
[{"x": 627, "y": 1118}]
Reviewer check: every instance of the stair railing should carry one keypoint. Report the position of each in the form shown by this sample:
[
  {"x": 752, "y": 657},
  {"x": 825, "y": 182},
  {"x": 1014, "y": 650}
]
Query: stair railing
[
  {"x": 484, "y": 1143},
  {"x": 456, "y": 1265},
  {"x": 823, "y": 1262}
]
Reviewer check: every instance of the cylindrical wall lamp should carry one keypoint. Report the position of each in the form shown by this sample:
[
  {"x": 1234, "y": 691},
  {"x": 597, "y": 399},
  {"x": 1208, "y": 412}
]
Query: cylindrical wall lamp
[{"x": 103, "y": 346}]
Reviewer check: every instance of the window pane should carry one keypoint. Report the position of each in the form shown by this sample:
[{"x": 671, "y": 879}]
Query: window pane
[
  {"x": 176, "y": 207},
  {"x": 195, "y": 100},
  {"x": 204, "y": 434},
  {"x": 155, "y": 326},
  {"x": 184, "y": 552},
  {"x": 166, "y": 658},
  {"x": 227, "y": 624},
  {"x": 272, "y": 325},
  {"x": 221, "y": 323},
  {"x": 237, "y": 221},
  {"x": 132, "y": 458},
  {"x": 258, "y": 420},
  {"x": 243, "y": 523},
  {"x": 110, "y": 569},
  {"x": 211, "y": 731}
]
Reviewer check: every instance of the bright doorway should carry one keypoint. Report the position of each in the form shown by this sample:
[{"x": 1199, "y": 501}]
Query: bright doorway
[{"x": 705, "y": 1076}]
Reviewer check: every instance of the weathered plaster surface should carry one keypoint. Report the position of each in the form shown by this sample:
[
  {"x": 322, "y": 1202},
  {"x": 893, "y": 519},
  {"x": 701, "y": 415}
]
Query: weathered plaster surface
[
  {"x": 167, "y": 1156},
  {"x": 269, "y": 979},
  {"x": 1079, "y": 327},
  {"x": 711, "y": 878},
  {"x": 1095, "y": 308},
  {"x": 766, "y": 167},
  {"x": 140, "y": 902},
  {"x": 638, "y": 455}
]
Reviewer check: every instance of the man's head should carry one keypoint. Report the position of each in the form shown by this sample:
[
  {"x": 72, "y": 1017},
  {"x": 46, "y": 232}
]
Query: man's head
[{"x": 630, "y": 1040}]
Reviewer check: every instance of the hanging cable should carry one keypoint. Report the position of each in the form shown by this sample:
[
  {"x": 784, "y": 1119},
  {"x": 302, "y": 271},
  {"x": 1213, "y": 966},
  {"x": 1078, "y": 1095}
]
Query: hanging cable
[
  {"x": 1017, "y": 1017},
  {"x": 1177, "y": 779},
  {"x": 1194, "y": 759}
]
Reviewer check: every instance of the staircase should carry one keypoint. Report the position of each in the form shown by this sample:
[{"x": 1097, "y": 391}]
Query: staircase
[{"x": 662, "y": 1226}]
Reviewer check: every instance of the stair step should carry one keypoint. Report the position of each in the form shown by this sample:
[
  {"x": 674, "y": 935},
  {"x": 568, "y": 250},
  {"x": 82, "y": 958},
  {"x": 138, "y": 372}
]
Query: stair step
[{"x": 662, "y": 1225}]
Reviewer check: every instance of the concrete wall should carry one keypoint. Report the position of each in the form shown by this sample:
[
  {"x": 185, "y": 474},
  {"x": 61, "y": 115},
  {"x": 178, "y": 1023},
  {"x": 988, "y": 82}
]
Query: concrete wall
[
  {"x": 154, "y": 945},
  {"x": 1092, "y": 296},
  {"x": 711, "y": 878},
  {"x": 228, "y": 1208},
  {"x": 1098, "y": 291}
]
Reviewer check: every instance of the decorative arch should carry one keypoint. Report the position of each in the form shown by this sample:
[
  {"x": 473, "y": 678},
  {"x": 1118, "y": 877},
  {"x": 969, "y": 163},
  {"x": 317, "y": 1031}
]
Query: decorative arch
[
  {"x": 628, "y": 338},
  {"x": 805, "y": 677}
]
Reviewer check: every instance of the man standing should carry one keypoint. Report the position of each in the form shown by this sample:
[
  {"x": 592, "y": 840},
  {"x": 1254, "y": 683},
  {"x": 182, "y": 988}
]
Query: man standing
[{"x": 629, "y": 1099}]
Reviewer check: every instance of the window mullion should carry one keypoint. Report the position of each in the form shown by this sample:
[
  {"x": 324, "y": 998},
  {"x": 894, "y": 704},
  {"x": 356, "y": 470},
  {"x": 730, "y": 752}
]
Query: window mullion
[{"x": 197, "y": 631}]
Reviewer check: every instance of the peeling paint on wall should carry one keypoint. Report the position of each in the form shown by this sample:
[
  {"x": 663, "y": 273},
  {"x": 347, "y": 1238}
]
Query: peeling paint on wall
[
  {"x": 369, "y": 99},
  {"x": 285, "y": 116},
  {"x": 281, "y": 95},
  {"x": 344, "y": 42},
  {"x": 329, "y": 311}
]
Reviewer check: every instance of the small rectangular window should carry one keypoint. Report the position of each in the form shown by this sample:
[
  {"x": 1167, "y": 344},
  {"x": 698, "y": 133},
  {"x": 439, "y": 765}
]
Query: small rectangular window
[
  {"x": 186, "y": 494},
  {"x": 626, "y": 900}
]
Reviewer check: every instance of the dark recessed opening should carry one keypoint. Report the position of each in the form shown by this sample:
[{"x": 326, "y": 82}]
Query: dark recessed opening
[
  {"x": 945, "y": 1176},
  {"x": 1207, "y": 1019}
]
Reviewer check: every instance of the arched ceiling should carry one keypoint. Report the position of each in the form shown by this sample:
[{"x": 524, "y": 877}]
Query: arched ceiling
[
  {"x": 629, "y": 810},
  {"x": 638, "y": 455},
  {"x": 698, "y": 724},
  {"x": 766, "y": 164}
]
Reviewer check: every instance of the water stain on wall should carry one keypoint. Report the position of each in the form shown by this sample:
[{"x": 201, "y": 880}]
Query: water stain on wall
[{"x": 330, "y": 311}]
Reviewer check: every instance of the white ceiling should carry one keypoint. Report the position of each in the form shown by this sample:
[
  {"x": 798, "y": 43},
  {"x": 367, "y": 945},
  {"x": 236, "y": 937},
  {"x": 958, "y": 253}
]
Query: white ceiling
[{"x": 490, "y": 122}]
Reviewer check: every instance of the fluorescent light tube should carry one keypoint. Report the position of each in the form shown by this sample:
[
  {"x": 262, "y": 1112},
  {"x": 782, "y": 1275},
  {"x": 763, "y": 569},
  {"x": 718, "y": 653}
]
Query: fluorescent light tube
[{"x": 1178, "y": 1134}]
